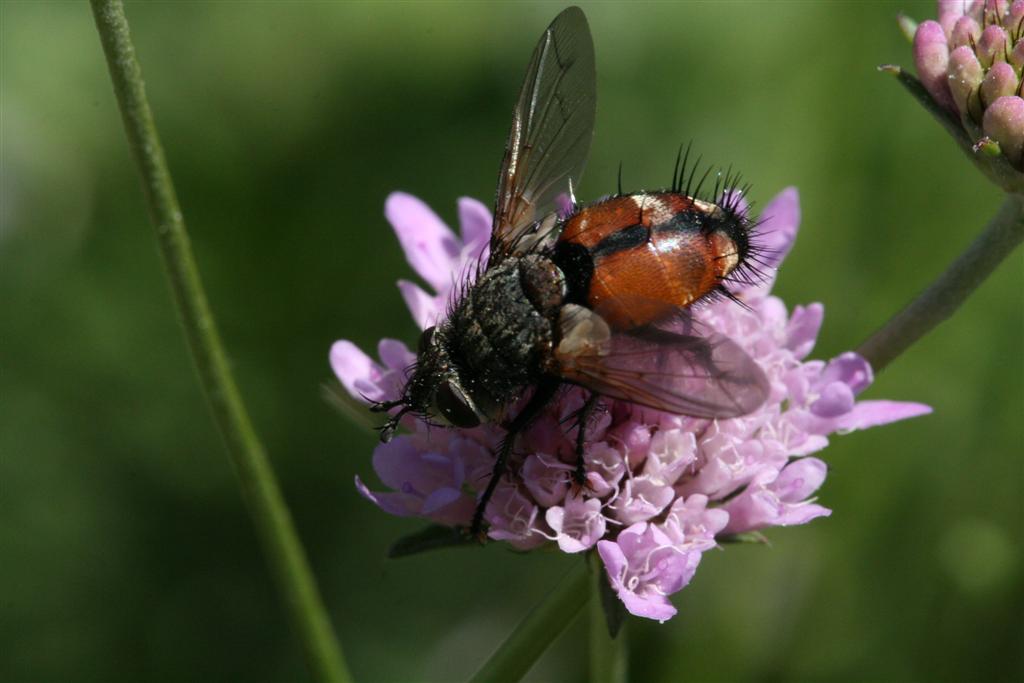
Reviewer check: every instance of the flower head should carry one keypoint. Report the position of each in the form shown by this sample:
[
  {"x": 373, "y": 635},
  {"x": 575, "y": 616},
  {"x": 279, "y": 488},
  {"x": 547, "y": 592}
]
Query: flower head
[
  {"x": 660, "y": 488},
  {"x": 970, "y": 62}
]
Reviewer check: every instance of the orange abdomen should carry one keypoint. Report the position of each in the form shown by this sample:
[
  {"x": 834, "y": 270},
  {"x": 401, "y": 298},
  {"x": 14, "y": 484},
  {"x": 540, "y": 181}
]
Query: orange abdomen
[{"x": 651, "y": 255}]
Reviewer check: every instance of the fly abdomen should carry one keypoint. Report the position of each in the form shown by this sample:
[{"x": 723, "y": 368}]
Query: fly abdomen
[{"x": 638, "y": 258}]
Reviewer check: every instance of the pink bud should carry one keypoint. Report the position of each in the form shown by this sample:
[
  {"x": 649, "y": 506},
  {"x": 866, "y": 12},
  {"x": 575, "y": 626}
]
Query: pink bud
[
  {"x": 1004, "y": 123},
  {"x": 1014, "y": 18},
  {"x": 994, "y": 10},
  {"x": 965, "y": 32},
  {"x": 1017, "y": 56},
  {"x": 992, "y": 45},
  {"x": 931, "y": 56},
  {"x": 951, "y": 10},
  {"x": 965, "y": 74},
  {"x": 1000, "y": 80}
]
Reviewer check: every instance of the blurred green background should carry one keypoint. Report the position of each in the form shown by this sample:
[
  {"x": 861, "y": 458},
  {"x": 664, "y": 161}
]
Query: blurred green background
[{"x": 125, "y": 551}]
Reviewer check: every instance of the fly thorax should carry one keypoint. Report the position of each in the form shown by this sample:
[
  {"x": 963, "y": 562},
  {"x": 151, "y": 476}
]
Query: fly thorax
[{"x": 503, "y": 328}]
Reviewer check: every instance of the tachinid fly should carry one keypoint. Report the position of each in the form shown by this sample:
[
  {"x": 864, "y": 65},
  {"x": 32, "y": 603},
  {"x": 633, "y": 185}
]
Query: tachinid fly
[{"x": 594, "y": 296}]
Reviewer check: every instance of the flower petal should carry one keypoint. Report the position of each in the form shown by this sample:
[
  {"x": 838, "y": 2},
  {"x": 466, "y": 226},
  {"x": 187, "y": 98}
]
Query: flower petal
[
  {"x": 836, "y": 399},
  {"x": 395, "y": 354},
  {"x": 423, "y": 307},
  {"x": 649, "y": 606},
  {"x": 546, "y": 479},
  {"x": 474, "y": 222},
  {"x": 356, "y": 371},
  {"x": 802, "y": 329},
  {"x": 851, "y": 369},
  {"x": 578, "y": 525},
  {"x": 430, "y": 247},
  {"x": 800, "y": 480},
  {"x": 874, "y": 413},
  {"x": 394, "y": 461},
  {"x": 439, "y": 499},
  {"x": 780, "y": 221},
  {"x": 398, "y": 504},
  {"x": 778, "y": 499}
]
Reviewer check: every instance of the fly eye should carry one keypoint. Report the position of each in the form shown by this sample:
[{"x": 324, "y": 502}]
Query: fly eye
[
  {"x": 455, "y": 406},
  {"x": 426, "y": 339}
]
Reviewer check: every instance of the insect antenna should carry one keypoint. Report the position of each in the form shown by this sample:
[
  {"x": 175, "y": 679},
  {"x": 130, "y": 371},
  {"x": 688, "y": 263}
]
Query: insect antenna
[{"x": 620, "y": 178}]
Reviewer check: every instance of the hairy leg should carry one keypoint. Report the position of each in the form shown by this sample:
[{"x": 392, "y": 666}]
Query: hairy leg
[
  {"x": 541, "y": 397},
  {"x": 582, "y": 417}
]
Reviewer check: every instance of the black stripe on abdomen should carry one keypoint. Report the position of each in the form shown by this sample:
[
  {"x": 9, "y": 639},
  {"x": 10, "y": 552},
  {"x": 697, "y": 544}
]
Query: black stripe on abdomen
[
  {"x": 684, "y": 221},
  {"x": 620, "y": 240}
]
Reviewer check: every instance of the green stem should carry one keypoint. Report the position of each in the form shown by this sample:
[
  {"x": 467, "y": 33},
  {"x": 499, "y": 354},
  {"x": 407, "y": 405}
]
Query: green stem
[
  {"x": 997, "y": 241},
  {"x": 538, "y": 630},
  {"x": 608, "y": 656},
  {"x": 256, "y": 478}
]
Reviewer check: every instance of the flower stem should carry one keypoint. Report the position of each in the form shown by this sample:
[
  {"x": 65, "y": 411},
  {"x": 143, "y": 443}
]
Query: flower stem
[
  {"x": 999, "y": 238},
  {"x": 256, "y": 478},
  {"x": 608, "y": 656},
  {"x": 538, "y": 630}
]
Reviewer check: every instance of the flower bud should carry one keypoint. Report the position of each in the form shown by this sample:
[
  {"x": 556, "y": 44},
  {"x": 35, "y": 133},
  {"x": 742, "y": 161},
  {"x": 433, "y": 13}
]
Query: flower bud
[
  {"x": 965, "y": 32},
  {"x": 969, "y": 59},
  {"x": 951, "y": 10},
  {"x": 1014, "y": 20},
  {"x": 1000, "y": 80},
  {"x": 1017, "y": 56},
  {"x": 992, "y": 45},
  {"x": 993, "y": 10},
  {"x": 931, "y": 56},
  {"x": 965, "y": 76},
  {"x": 1004, "y": 123}
]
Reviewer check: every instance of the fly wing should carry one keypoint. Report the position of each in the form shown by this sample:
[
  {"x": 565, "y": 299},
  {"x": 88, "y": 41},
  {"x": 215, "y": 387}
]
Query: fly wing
[
  {"x": 697, "y": 373},
  {"x": 549, "y": 140}
]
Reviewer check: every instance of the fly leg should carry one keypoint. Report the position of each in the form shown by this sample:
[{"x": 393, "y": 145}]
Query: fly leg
[
  {"x": 579, "y": 475},
  {"x": 545, "y": 391}
]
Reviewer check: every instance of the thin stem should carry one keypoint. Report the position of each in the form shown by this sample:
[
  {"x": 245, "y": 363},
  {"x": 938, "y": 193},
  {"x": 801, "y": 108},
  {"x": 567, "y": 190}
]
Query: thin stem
[
  {"x": 256, "y": 478},
  {"x": 608, "y": 656},
  {"x": 538, "y": 630},
  {"x": 999, "y": 238}
]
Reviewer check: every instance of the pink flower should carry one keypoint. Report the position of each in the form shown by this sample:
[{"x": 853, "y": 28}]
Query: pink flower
[
  {"x": 969, "y": 61},
  {"x": 645, "y": 566},
  {"x": 660, "y": 488},
  {"x": 579, "y": 524}
]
